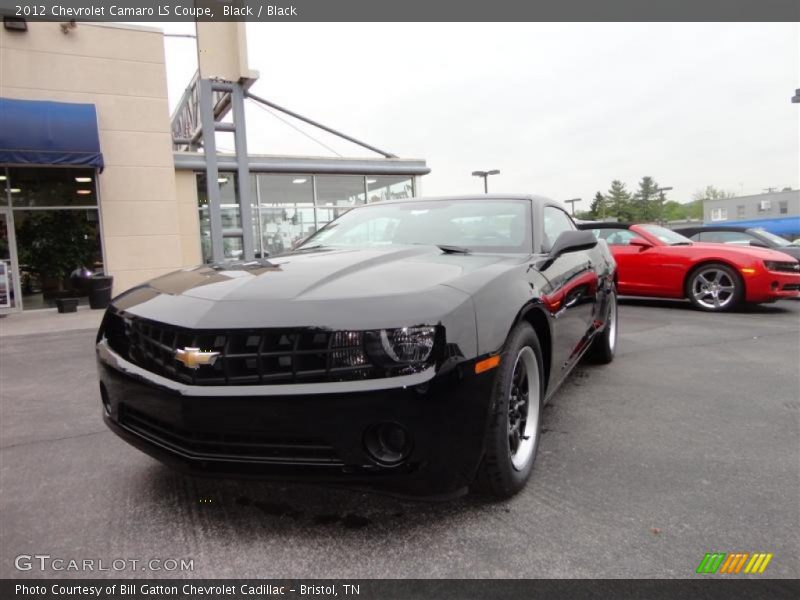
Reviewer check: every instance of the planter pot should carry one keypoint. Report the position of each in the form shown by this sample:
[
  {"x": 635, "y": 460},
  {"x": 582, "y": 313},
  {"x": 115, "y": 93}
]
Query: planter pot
[
  {"x": 100, "y": 291},
  {"x": 67, "y": 305}
]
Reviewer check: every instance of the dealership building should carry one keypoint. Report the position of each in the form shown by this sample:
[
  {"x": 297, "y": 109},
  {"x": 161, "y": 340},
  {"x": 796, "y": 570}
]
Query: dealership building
[
  {"x": 97, "y": 176},
  {"x": 775, "y": 211}
]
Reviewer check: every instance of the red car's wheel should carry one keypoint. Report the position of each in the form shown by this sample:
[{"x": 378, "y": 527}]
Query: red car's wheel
[{"x": 714, "y": 287}]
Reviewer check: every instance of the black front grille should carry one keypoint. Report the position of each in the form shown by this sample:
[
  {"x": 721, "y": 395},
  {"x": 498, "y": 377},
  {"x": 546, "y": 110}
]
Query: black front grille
[
  {"x": 246, "y": 356},
  {"x": 234, "y": 446},
  {"x": 791, "y": 287}
]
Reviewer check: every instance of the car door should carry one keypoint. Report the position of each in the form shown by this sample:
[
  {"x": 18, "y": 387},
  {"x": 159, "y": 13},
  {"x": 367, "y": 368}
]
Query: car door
[
  {"x": 572, "y": 294},
  {"x": 626, "y": 257}
]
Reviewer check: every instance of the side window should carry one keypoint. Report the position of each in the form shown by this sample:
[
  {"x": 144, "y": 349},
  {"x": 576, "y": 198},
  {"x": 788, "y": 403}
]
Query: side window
[
  {"x": 556, "y": 222},
  {"x": 617, "y": 237}
]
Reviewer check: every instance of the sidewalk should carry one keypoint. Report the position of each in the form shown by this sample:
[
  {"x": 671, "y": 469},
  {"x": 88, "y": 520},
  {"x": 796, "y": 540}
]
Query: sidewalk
[{"x": 49, "y": 321}]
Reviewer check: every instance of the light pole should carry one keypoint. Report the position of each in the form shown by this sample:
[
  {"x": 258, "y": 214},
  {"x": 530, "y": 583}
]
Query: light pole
[
  {"x": 572, "y": 203},
  {"x": 660, "y": 191},
  {"x": 485, "y": 175}
]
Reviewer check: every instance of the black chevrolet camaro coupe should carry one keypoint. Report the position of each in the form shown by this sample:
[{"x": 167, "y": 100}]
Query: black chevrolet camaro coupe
[{"x": 408, "y": 345}]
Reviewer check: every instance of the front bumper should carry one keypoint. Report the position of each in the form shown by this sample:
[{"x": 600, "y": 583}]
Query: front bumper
[
  {"x": 316, "y": 431},
  {"x": 767, "y": 286}
]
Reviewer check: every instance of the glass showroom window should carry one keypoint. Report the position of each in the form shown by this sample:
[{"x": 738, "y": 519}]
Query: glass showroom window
[
  {"x": 231, "y": 219},
  {"x": 286, "y": 211},
  {"x": 336, "y": 194},
  {"x": 385, "y": 187},
  {"x": 52, "y": 187},
  {"x": 57, "y": 231}
]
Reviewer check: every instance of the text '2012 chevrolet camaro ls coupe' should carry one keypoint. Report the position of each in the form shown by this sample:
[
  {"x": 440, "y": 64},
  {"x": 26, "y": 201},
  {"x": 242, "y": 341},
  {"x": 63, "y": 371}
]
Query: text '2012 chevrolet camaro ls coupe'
[{"x": 408, "y": 344}]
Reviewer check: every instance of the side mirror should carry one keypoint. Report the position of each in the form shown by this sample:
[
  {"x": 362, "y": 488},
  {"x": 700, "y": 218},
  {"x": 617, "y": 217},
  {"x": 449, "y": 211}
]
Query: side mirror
[
  {"x": 758, "y": 244},
  {"x": 572, "y": 241},
  {"x": 300, "y": 242},
  {"x": 641, "y": 243}
]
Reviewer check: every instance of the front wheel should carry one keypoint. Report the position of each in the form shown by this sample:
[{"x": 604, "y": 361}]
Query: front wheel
[
  {"x": 515, "y": 426},
  {"x": 714, "y": 288}
]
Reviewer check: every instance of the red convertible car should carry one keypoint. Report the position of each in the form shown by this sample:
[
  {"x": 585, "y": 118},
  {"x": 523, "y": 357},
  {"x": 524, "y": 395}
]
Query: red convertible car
[{"x": 655, "y": 261}]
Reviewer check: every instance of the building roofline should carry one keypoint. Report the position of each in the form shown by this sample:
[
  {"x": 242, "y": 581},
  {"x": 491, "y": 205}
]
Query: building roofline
[
  {"x": 308, "y": 164},
  {"x": 762, "y": 196}
]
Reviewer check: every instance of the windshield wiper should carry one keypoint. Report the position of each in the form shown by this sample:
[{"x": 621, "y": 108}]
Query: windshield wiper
[
  {"x": 304, "y": 248},
  {"x": 681, "y": 244},
  {"x": 447, "y": 249}
]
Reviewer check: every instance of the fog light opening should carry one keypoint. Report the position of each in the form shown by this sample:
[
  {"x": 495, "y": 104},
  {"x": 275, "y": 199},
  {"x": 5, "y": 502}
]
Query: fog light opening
[
  {"x": 775, "y": 285},
  {"x": 104, "y": 398},
  {"x": 388, "y": 444}
]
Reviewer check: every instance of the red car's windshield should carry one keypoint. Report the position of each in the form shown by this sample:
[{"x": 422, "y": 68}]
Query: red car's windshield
[{"x": 666, "y": 236}]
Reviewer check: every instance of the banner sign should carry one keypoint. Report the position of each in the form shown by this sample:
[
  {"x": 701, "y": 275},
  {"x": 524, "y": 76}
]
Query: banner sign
[
  {"x": 395, "y": 589},
  {"x": 405, "y": 10}
]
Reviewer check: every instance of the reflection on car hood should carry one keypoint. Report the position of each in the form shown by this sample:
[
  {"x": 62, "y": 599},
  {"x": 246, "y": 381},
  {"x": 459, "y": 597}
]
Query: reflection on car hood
[
  {"x": 750, "y": 251},
  {"x": 328, "y": 274},
  {"x": 366, "y": 288}
]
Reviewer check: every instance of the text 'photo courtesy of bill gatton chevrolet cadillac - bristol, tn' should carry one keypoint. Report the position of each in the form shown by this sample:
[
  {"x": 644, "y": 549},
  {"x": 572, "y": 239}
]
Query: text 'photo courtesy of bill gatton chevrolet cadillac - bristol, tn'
[{"x": 408, "y": 345}]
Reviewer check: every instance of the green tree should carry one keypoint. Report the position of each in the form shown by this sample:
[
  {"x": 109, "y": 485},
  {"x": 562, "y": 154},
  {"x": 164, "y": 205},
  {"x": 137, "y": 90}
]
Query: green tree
[
  {"x": 53, "y": 243},
  {"x": 598, "y": 206},
  {"x": 618, "y": 202},
  {"x": 694, "y": 209},
  {"x": 648, "y": 200},
  {"x": 711, "y": 193},
  {"x": 674, "y": 211}
]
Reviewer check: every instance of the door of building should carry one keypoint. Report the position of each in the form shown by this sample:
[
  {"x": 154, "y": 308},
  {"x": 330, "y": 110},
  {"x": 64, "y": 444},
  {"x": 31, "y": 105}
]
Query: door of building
[{"x": 9, "y": 271}]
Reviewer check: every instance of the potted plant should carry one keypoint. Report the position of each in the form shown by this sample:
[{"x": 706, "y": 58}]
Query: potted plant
[{"x": 53, "y": 244}]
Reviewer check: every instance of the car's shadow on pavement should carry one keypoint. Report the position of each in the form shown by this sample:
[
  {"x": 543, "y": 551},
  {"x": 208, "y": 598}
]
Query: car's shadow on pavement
[
  {"x": 685, "y": 305},
  {"x": 248, "y": 505}
]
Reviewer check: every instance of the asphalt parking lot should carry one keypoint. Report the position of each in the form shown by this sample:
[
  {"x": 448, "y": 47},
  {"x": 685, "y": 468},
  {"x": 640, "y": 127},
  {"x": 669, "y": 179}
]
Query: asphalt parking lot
[{"x": 688, "y": 443}]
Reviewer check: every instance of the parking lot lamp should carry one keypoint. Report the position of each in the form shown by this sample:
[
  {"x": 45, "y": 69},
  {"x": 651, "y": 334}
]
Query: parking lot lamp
[{"x": 485, "y": 175}]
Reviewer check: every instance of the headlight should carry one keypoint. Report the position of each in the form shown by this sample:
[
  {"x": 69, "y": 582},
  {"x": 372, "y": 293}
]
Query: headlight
[
  {"x": 781, "y": 265},
  {"x": 406, "y": 346}
]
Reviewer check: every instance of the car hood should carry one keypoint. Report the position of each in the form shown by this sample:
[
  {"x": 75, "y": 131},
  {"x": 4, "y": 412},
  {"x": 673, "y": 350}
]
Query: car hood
[
  {"x": 793, "y": 251},
  {"x": 747, "y": 251},
  {"x": 364, "y": 286},
  {"x": 327, "y": 274}
]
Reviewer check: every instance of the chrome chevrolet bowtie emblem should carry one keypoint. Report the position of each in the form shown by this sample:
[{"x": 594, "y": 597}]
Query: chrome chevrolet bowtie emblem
[{"x": 194, "y": 358}]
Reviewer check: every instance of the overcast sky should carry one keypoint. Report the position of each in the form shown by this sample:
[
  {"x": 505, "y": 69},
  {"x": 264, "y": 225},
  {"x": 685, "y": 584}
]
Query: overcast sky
[{"x": 560, "y": 109}]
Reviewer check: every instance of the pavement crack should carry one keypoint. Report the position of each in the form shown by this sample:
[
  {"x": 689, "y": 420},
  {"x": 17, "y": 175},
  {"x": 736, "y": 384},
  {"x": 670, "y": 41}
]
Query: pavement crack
[{"x": 47, "y": 441}]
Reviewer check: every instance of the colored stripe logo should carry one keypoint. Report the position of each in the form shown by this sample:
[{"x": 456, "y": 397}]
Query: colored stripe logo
[{"x": 734, "y": 562}]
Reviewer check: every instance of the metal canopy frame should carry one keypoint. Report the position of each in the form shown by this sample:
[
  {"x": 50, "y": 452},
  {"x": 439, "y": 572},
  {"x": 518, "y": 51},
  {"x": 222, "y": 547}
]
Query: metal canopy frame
[{"x": 195, "y": 122}]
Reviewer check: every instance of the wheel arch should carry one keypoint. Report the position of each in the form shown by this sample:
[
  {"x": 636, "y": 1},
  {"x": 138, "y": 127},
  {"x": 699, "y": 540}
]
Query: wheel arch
[
  {"x": 713, "y": 261},
  {"x": 535, "y": 315}
]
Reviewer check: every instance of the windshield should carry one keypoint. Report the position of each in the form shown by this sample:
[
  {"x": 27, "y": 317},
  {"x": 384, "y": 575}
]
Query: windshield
[
  {"x": 775, "y": 239},
  {"x": 468, "y": 225},
  {"x": 667, "y": 236}
]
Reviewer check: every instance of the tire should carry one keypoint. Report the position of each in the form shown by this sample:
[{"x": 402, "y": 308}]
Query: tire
[
  {"x": 604, "y": 345},
  {"x": 714, "y": 287},
  {"x": 504, "y": 470}
]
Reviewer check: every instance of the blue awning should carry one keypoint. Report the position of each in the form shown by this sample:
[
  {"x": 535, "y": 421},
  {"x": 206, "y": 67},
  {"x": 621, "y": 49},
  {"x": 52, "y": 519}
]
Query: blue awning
[
  {"x": 779, "y": 226},
  {"x": 34, "y": 132}
]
